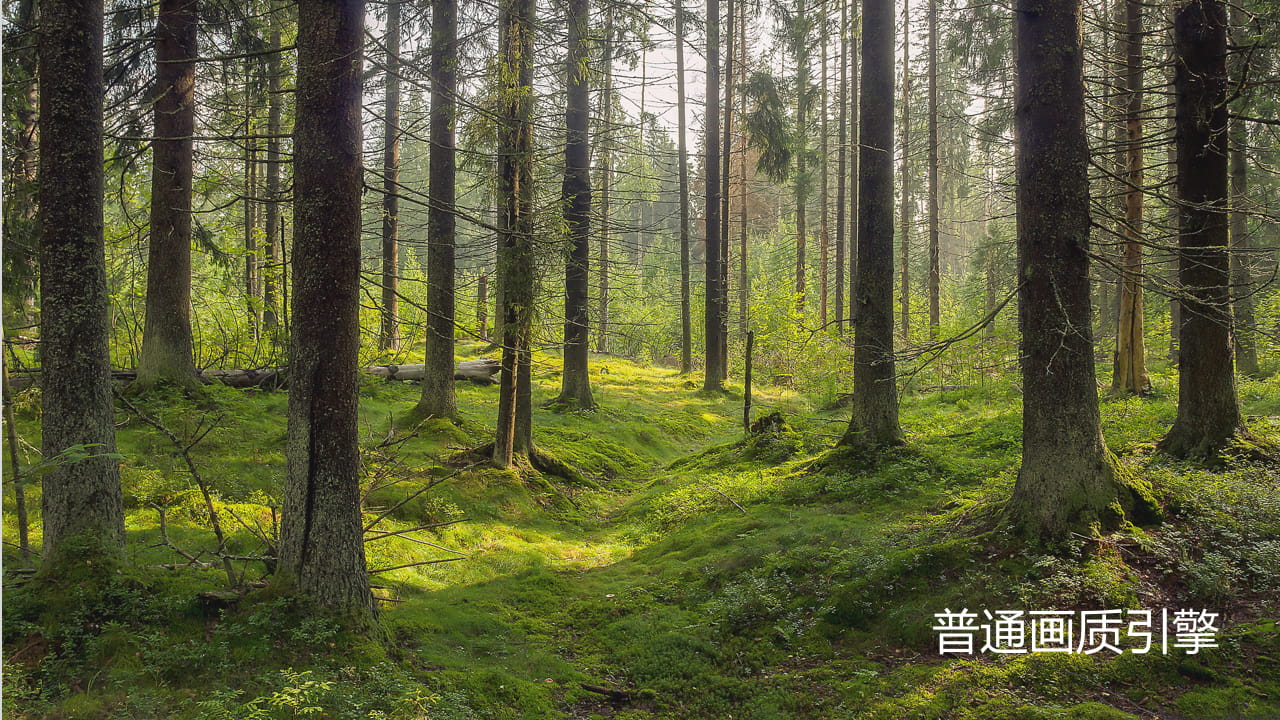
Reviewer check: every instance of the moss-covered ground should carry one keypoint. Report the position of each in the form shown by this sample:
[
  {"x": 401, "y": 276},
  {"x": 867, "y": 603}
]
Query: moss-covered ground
[{"x": 712, "y": 576}]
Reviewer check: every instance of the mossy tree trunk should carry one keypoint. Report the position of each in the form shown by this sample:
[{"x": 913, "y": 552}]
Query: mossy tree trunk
[
  {"x": 1068, "y": 478},
  {"x": 874, "y": 421},
  {"x": 166, "y": 336},
  {"x": 438, "y": 397},
  {"x": 515, "y": 192},
  {"x": 82, "y": 503},
  {"x": 389, "y": 334},
  {"x": 575, "y": 390},
  {"x": 1208, "y": 409},
  {"x": 321, "y": 536}
]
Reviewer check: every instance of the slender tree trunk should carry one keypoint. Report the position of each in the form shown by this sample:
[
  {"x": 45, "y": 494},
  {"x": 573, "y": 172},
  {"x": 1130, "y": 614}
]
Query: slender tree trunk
[
  {"x": 824, "y": 237},
  {"x": 874, "y": 421},
  {"x": 1241, "y": 276},
  {"x": 904, "y": 209},
  {"x": 1130, "y": 373},
  {"x": 935, "y": 250},
  {"x": 575, "y": 389},
  {"x": 389, "y": 336},
  {"x": 271, "y": 270},
  {"x": 83, "y": 507},
  {"x": 802, "y": 153},
  {"x": 1208, "y": 410},
  {"x": 15, "y": 468},
  {"x": 166, "y": 337},
  {"x": 437, "y": 398},
  {"x": 842, "y": 160},
  {"x": 252, "y": 261},
  {"x": 713, "y": 378},
  {"x": 726, "y": 155},
  {"x": 321, "y": 538},
  {"x": 744, "y": 282},
  {"x": 606, "y": 184},
  {"x": 1068, "y": 478},
  {"x": 515, "y": 191},
  {"x": 686, "y": 312},
  {"x": 855, "y": 166}
]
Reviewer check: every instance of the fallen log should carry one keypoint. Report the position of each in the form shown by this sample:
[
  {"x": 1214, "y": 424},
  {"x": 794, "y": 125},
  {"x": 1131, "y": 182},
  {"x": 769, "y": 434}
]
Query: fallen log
[{"x": 478, "y": 371}]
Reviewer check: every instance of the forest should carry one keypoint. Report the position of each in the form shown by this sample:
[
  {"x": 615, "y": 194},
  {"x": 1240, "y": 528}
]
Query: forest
[{"x": 641, "y": 359}]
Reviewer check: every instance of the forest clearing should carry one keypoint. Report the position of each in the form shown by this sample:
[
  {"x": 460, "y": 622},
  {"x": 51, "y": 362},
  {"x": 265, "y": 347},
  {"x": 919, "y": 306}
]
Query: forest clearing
[{"x": 612, "y": 359}]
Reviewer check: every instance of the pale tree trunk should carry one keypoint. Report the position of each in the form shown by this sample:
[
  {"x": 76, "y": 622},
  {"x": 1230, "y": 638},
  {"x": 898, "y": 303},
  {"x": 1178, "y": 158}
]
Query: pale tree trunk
[
  {"x": 271, "y": 269},
  {"x": 83, "y": 507},
  {"x": 842, "y": 160},
  {"x": 686, "y": 312},
  {"x": 575, "y": 389},
  {"x": 1130, "y": 374},
  {"x": 389, "y": 336},
  {"x": 744, "y": 282},
  {"x": 166, "y": 336},
  {"x": 1241, "y": 275},
  {"x": 321, "y": 536},
  {"x": 726, "y": 155},
  {"x": 935, "y": 250},
  {"x": 252, "y": 259},
  {"x": 1068, "y": 479},
  {"x": 802, "y": 158},
  {"x": 438, "y": 397},
  {"x": 855, "y": 164},
  {"x": 605, "y": 147},
  {"x": 1208, "y": 409},
  {"x": 824, "y": 237},
  {"x": 874, "y": 421}
]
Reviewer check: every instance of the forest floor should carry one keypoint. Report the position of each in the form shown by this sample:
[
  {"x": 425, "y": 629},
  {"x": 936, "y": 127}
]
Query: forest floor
[{"x": 713, "y": 574}]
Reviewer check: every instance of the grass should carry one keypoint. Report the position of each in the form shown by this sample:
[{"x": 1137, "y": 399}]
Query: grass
[{"x": 712, "y": 576}]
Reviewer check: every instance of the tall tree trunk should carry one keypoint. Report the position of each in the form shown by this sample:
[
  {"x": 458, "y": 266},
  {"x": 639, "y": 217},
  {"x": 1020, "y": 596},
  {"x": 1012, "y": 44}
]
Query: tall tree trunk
[
  {"x": 842, "y": 160},
  {"x": 686, "y": 312},
  {"x": 606, "y": 184},
  {"x": 321, "y": 537},
  {"x": 1130, "y": 374},
  {"x": 744, "y": 282},
  {"x": 874, "y": 421},
  {"x": 904, "y": 208},
  {"x": 1208, "y": 410},
  {"x": 855, "y": 166},
  {"x": 802, "y": 152},
  {"x": 712, "y": 376},
  {"x": 1068, "y": 478},
  {"x": 515, "y": 192},
  {"x": 1241, "y": 275},
  {"x": 437, "y": 399},
  {"x": 935, "y": 250},
  {"x": 83, "y": 508},
  {"x": 726, "y": 155},
  {"x": 575, "y": 193},
  {"x": 252, "y": 260},
  {"x": 389, "y": 336},
  {"x": 166, "y": 337},
  {"x": 271, "y": 269},
  {"x": 824, "y": 238}
]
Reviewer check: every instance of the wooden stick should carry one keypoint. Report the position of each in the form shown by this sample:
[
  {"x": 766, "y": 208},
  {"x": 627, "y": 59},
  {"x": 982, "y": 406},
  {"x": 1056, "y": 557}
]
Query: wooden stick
[{"x": 414, "y": 564}]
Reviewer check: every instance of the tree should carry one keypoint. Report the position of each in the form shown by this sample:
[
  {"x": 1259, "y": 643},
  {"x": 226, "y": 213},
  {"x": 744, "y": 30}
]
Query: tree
[
  {"x": 713, "y": 376},
  {"x": 799, "y": 37},
  {"x": 1241, "y": 276},
  {"x": 1130, "y": 373},
  {"x": 606, "y": 181},
  {"x": 515, "y": 224},
  {"x": 1068, "y": 478},
  {"x": 166, "y": 338},
  {"x": 1208, "y": 410},
  {"x": 438, "y": 398},
  {"x": 270, "y": 270},
  {"x": 825, "y": 191},
  {"x": 686, "y": 312},
  {"x": 82, "y": 503},
  {"x": 935, "y": 254},
  {"x": 321, "y": 538},
  {"x": 389, "y": 337},
  {"x": 842, "y": 159},
  {"x": 904, "y": 207},
  {"x": 575, "y": 390},
  {"x": 874, "y": 421}
]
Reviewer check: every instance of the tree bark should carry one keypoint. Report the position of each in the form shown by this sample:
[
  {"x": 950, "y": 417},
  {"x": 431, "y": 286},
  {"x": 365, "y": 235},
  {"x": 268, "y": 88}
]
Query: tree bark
[
  {"x": 823, "y": 202},
  {"x": 515, "y": 192},
  {"x": 935, "y": 250},
  {"x": 874, "y": 421},
  {"x": 271, "y": 269},
  {"x": 904, "y": 208},
  {"x": 605, "y": 147},
  {"x": 686, "y": 312},
  {"x": 1068, "y": 479},
  {"x": 321, "y": 535},
  {"x": 842, "y": 161},
  {"x": 389, "y": 335},
  {"x": 713, "y": 379},
  {"x": 438, "y": 398},
  {"x": 1130, "y": 373},
  {"x": 83, "y": 507},
  {"x": 1241, "y": 275},
  {"x": 1208, "y": 409},
  {"x": 166, "y": 337},
  {"x": 855, "y": 166},
  {"x": 575, "y": 389},
  {"x": 802, "y": 152}
]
